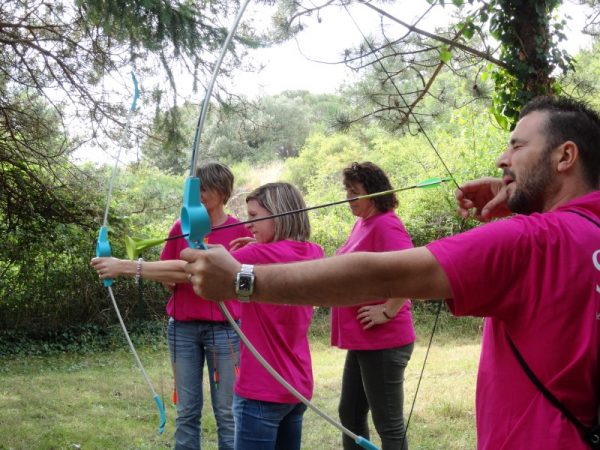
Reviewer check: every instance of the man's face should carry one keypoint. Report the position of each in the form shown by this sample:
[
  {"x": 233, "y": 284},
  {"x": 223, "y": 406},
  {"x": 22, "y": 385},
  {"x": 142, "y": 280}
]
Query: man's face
[{"x": 527, "y": 167}]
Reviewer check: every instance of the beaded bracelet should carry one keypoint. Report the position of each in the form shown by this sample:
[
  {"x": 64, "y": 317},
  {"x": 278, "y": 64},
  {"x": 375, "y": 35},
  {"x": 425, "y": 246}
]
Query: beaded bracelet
[{"x": 138, "y": 270}]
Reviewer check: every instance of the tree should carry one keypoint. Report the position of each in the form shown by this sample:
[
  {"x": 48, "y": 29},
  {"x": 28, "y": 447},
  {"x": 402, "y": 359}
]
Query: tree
[
  {"x": 266, "y": 129},
  {"x": 592, "y": 25},
  {"x": 60, "y": 59},
  {"x": 404, "y": 60}
]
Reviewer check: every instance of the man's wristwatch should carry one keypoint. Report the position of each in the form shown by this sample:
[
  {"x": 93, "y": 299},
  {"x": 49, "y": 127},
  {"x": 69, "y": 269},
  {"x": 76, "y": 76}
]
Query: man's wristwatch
[{"x": 244, "y": 283}]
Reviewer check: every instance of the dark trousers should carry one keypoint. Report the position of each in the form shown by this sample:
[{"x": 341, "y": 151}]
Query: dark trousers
[{"x": 374, "y": 381}]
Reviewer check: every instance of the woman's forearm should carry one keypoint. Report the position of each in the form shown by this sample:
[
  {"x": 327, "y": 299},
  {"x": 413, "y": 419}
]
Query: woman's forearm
[
  {"x": 170, "y": 271},
  {"x": 393, "y": 306}
]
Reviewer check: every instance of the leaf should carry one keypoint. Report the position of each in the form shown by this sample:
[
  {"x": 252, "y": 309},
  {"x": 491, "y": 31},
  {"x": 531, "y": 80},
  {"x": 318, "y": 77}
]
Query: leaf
[
  {"x": 501, "y": 119},
  {"x": 445, "y": 55},
  {"x": 468, "y": 32}
]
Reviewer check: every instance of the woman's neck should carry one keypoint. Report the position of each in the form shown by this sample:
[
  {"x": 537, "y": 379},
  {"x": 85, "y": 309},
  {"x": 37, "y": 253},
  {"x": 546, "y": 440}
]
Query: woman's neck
[
  {"x": 368, "y": 214},
  {"x": 217, "y": 217}
]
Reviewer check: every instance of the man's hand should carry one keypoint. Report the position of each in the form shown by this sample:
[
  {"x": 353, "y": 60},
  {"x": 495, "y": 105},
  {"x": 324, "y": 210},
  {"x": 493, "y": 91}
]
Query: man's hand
[
  {"x": 212, "y": 272},
  {"x": 486, "y": 197}
]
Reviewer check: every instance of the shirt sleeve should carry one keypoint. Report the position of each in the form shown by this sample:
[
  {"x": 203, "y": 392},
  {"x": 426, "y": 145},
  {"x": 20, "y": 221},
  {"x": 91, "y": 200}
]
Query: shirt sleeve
[
  {"x": 248, "y": 254},
  {"x": 491, "y": 268},
  {"x": 390, "y": 235},
  {"x": 171, "y": 249}
]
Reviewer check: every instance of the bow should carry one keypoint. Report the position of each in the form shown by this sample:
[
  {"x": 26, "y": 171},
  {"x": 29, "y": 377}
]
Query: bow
[
  {"x": 103, "y": 249},
  {"x": 196, "y": 224}
]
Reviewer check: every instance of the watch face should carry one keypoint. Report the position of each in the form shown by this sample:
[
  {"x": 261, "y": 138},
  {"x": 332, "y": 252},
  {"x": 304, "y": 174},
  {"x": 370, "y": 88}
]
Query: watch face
[{"x": 245, "y": 283}]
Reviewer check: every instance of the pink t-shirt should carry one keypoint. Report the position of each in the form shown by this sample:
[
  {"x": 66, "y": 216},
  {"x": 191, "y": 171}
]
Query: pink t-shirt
[
  {"x": 538, "y": 278},
  {"x": 381, "y": 233},
  {"x": 279, "y": 332},
  {"x": 184, "y": 304}
]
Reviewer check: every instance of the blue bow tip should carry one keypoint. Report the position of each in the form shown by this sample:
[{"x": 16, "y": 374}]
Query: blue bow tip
[
  {"x": 365, "y": 443},
  {"x": 163, "y": 415}
]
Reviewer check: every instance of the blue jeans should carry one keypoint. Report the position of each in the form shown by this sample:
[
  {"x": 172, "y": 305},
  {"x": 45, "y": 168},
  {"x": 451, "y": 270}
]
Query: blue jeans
[
  {"x": 267, "y": 426},
  {"x": 190, "y": 343}
]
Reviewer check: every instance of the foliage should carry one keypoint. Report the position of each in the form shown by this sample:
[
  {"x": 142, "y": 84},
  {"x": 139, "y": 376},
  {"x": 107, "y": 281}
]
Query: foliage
[
  {"x": 79, "y": 339},
  {"x": 37, "y": 185},
  {"x": 584, "y": 82},
  {"x": 70, "y": 46},
  {"x": 592, "y": 23},
  {"x": 529, "y": 48},
  {"x": 258, "y": 131},
  {"x": 467, "y": 142},
  {"x": 59, "y": 65},
  {"x": 168, "y": 145},
  {"x": 145, "y": 200},
  {"x": 45, "y": 279},
  {"x": 404, "y": 61}
]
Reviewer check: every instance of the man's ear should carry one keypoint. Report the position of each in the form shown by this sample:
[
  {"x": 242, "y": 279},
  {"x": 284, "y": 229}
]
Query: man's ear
[{"x": 566, "y": 155}]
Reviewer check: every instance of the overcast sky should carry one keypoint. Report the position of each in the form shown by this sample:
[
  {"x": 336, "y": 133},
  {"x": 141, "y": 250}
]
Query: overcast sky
[{"x": 288, "y": 65}]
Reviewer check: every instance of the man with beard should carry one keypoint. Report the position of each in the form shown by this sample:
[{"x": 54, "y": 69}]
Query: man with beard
[{"x": 535, "y": 277}]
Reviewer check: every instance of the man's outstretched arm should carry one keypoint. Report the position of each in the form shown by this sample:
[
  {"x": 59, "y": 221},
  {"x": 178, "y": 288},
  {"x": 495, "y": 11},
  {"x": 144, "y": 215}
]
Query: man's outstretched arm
[{"x": 339, "y": 280}]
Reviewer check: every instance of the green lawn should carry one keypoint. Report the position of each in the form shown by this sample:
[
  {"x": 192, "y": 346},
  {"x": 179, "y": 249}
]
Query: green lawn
[{"x": 100, "y": 401}]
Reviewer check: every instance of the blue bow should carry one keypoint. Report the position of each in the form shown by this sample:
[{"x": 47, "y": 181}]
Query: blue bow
[{"x": 103, "y": 249}]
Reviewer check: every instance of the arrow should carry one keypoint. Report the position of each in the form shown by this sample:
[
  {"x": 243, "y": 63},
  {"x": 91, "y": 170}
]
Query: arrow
[{"x": 425, "y": 184}]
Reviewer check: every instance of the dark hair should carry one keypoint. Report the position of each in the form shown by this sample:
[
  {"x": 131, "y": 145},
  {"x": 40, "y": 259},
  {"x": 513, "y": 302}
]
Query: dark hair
[
  {"x": 373, "y": 180},
  {"x": 283, "y": 197},
  {"x": 570, "y": 120},
  {"x": 216, "y": 177}
]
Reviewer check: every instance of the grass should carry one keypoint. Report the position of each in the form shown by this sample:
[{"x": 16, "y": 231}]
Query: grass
[{"x": 100, "y": 400}]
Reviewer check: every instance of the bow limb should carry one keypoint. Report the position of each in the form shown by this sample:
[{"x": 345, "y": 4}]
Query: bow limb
[
  {"x": 103, "y": 249},
  {"x": 155, "y": 396},
  {"x": 194, "y": 217}
]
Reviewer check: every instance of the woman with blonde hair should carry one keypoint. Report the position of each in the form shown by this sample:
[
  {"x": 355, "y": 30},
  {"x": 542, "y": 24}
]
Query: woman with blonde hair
[{"x": 266, "y": 415}]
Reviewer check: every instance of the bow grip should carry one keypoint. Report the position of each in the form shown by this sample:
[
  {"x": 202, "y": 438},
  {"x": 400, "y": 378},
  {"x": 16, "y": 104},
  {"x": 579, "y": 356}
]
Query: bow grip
[
  {"x": 195, "y": 222},
  {"x": 103, "y": 249}
]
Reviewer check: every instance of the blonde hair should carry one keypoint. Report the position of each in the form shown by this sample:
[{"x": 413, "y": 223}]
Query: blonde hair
[
  {"x": 216, "y": 177},
  {"x": 279, "y": 198}
]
